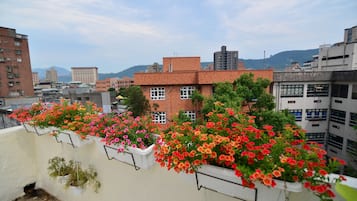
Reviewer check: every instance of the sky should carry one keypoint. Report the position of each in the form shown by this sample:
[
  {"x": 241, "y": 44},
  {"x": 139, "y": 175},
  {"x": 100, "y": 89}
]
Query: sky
[{"x": 116, "y": 34}]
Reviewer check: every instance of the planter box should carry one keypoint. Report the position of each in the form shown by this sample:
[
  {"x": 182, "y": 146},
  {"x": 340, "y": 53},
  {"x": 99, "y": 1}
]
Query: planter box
[
  {"x": 43, "y": 131},
  {"x": 71, "y": 138},
  {"x": 62, "y": 179},
  {"x": 39, "y": 131},
  {"x": 225, "y": 181},
  {"x": 139, "y": 158},
  {"x": 98, "y": 142}
]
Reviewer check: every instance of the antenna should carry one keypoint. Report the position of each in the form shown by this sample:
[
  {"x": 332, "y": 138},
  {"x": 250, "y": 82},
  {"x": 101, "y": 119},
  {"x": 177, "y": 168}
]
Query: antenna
[{"x": 264, "y": 64}]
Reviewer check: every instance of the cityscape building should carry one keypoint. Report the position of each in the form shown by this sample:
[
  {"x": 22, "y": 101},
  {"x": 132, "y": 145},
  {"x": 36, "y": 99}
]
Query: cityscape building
[
  {"x": 15, "y": 66},
  {"x": 88, "y": 75},
  {"x": 51, "y": 75},
  {"x": 225, "y": 60}
]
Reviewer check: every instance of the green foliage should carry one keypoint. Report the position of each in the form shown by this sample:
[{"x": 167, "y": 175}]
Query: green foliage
[
  {"x": 78, "y": 176},
  {"x": 136, "y": 101},
  {"x": 246, "y": 92},
  {"x": 224, "y": 93},
  {"x": 278, "y": 119},
  {"x": 81, "y": 178},
  {"x": 58, "y": 167},
  {"x": 181, "y": 118}
]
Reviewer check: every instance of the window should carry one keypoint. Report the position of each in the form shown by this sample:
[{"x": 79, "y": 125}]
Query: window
[
  {"x": 353, "y": 119},
  {"x": 19, "y": 60},
  {"x": 157, "y": 93},
  {"x": 316, "y": 137},
  {"x": 159, "y": 117},
  {"x": 191, "y": 115},
  {"x": 317, "y": 90},
  {"x": 186, "y": 92},
  {"x": 338, "y": 116},
  {"x": 293, "y": 90},
  {"x": 17, "y": 43},
  {"x": 316, "y": 114},
  {"x": 354, "y": 91},
  {"x": 297, "y": 113},
  {"x": 18, "y": 52},
  {"x": 291, "y": 102},
  {"x": 339, "y": 90},
  {"x": 335, "y": 141},
  {"x": 352, "y": 147}
]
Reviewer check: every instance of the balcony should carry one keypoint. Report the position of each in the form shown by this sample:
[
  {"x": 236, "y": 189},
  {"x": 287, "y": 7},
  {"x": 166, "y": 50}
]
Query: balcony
[{"x": 24, "y": 159}]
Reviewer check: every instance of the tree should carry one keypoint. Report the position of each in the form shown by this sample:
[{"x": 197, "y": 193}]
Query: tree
[
  {"x": 136, "y": 101},
  {"x": 244, "y": 91}
]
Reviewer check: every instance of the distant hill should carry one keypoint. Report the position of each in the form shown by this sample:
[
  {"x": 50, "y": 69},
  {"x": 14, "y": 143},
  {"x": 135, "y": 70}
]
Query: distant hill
[
  {"x": 281, "y": 60},
  {"x": 278, "y": 61},
  {"x": 129, "y": 72}
]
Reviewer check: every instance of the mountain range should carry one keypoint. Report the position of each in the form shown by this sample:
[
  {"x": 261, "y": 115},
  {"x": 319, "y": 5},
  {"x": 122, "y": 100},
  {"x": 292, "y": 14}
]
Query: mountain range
[{"x": 278, "y": 61}]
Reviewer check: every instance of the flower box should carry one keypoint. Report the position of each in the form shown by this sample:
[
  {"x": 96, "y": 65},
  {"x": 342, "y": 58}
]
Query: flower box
[
  {"x": 139, "y": 158},
  {"x": 99, "y": 142},
  {"x": 35, "y": 129},
  {"x": 224, "y": 180},
  {"x": 43, "y": 131},
  {"x": 71, "y": 138},
  {"x": 28, "y": 127}
]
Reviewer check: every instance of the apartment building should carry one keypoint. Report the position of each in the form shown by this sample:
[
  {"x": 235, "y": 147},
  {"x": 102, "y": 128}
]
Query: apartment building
[
  {"x": 15, "y": 66},
  {"x": 51, "y": 75},
  {"x": 87, "y": 75},
  {"x": 171, "y": 89},
  {"x": 35, "y": 78},
  {"x": 104, "y": 85},
  {"x": 225, "y": 60}
]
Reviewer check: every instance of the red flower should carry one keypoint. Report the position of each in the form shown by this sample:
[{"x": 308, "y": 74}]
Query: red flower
[{"x": 210, "y": 125}]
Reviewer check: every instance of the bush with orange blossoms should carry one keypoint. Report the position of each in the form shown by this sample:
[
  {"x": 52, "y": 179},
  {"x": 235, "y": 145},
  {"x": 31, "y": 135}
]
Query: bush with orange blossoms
[
  {"x": 66, "y": 116},
  {"x": 25, "y": 114},
  {"x": 232, "y": 140}
]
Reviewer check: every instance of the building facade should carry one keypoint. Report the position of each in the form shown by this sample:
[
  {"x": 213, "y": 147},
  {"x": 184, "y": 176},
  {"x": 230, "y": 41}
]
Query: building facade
[
  {"x": 35, "y": 78},
  {"x": 225, "y": 60},
  {"x": 170, "y": 91},
  {"x": 87, "y": 75},
  {"x": 324, "y": 104},
  {"x": 51, "y": 75},
  {"x": 15, "y": 65}
]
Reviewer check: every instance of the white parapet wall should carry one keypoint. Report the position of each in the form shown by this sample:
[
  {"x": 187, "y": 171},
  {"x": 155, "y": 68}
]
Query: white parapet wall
[{"x": 24, "y": 159}]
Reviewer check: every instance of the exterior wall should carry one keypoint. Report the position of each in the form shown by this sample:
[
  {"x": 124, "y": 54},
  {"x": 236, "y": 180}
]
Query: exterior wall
[
  {"x": 181, "y": 64},
  {"x": 331, "y": 129},
  {"x": 24, "y": 159},
  {"x": 18, "y": 162},
  {"x": 15, "y": 66},
  {"x": 35, "y": 78},
  {"x": 88, "y": 75},
  {"x": 172, "y": 103}
]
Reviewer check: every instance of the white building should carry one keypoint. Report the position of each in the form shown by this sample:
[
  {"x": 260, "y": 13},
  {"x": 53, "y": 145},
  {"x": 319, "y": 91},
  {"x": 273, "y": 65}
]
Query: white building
[
  {"x": 325, "y": 105},
  {"x": 339, "y": 56},
  {"x": 323, "y": 98}
]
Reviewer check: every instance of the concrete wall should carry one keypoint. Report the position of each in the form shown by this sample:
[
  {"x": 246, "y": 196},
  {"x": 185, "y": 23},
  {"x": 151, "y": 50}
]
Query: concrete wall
[{"x": 24, "y": 159}]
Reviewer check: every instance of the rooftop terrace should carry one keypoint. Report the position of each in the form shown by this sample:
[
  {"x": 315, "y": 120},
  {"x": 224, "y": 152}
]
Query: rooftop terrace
[{"x": 24, "y": 160}]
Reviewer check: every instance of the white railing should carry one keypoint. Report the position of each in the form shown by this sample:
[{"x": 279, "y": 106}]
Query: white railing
[{"x": 24, "y": 159}]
